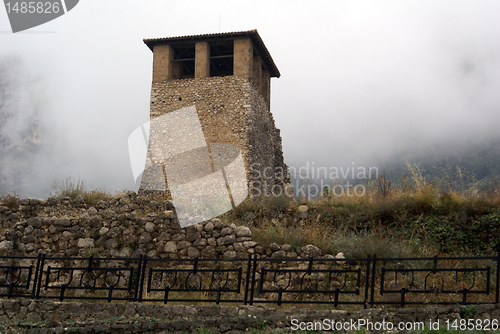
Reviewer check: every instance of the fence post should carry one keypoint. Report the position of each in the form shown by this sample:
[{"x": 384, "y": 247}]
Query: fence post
[
  {"x": 142, "y": 274},
  {"x": 372, "y": 288},
  {"x": 138, "y": 278},
  {"x": 42, "y": 262},
  {"x": 35, "y": 279},
  {"x": 247, "y": 280},
  {"x": 367, "y": 280},
  {"x": 498, "y": 278},
  {"x": 254, "y": 269}
]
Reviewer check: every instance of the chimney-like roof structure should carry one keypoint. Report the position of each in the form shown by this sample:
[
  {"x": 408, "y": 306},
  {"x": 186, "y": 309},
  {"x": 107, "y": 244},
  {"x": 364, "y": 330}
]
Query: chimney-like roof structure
[{"x": 252, "y": 34}]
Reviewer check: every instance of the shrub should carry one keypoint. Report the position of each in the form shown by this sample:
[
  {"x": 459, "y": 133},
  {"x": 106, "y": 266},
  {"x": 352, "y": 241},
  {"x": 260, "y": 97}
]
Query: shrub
[
  {"x": 94, "y": 196},
  {"x": 72, "y": 188},
  {"x": 10, "y": 201},
  {"x": 69, "y": 188}
]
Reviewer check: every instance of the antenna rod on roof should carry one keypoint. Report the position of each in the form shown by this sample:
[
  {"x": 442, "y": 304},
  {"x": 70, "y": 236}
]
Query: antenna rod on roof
[{"x": 220, "y": 19}]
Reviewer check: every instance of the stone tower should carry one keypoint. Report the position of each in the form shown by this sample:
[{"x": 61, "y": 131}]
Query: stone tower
[{"x": 227, "y": 78}]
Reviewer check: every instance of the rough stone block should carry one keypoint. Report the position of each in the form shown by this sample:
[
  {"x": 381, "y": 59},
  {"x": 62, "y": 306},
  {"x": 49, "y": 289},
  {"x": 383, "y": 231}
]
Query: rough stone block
[
  {"x": 243, "y": 231},
  {"x": 170, "y": 247},
  {"x": 85, "y": 243},
  {"x": 33, "y": 317}
]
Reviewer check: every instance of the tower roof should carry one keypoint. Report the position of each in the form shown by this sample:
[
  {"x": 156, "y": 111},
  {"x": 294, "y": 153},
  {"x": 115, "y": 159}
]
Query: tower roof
[{"x": 252, "y": 34}]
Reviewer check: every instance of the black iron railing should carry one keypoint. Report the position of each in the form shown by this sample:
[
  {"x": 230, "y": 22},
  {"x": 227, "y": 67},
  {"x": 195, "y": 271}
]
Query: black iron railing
[{"x": 366, "y": 282}]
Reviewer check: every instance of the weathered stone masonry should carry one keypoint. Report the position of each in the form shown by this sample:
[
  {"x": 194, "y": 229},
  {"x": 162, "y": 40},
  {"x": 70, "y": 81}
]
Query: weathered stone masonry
[
  {"x": 58, "y": 317},
  {"x": 227, "y": 78},
  {"x": 127, "y": 226}
]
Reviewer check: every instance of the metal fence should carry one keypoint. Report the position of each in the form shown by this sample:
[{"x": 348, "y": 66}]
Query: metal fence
[{"x": 366, "y": 282}]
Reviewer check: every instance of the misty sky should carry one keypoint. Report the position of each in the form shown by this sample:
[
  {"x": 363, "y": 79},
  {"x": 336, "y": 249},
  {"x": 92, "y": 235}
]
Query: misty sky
[{"x": 361, "y": 80}]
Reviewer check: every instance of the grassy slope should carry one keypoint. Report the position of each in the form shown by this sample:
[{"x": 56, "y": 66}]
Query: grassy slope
[{"x": 414, "y": 217}]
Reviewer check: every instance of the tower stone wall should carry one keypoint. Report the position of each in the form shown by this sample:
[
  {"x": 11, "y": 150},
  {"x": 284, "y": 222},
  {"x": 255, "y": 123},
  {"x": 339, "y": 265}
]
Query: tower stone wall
[{"x": 232, "y": 108}]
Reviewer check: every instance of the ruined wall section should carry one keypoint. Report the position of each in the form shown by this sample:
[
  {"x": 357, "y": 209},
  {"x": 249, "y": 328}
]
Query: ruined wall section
[
  {"x": 127, "y": 226},
  {"x": 231, "y": 110}
]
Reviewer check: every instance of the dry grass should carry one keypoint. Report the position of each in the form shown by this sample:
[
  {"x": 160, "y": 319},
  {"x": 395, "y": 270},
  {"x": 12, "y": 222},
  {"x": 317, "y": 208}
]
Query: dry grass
[
  {"x": 73, "y": 188},
  {"x": 413, "y": 217},
  {"x": 10, "y": 201}
]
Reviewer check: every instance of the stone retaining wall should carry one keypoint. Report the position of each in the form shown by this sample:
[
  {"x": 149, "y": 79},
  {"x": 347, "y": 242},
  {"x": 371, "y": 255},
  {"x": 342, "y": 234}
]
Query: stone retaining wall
[
  {"x": 28, "y": 316},
  {"x": 127, "y": 226}
]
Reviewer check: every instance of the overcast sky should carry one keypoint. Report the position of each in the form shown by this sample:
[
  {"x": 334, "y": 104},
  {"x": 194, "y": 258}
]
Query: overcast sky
[{"x": 360, "y": 80}]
